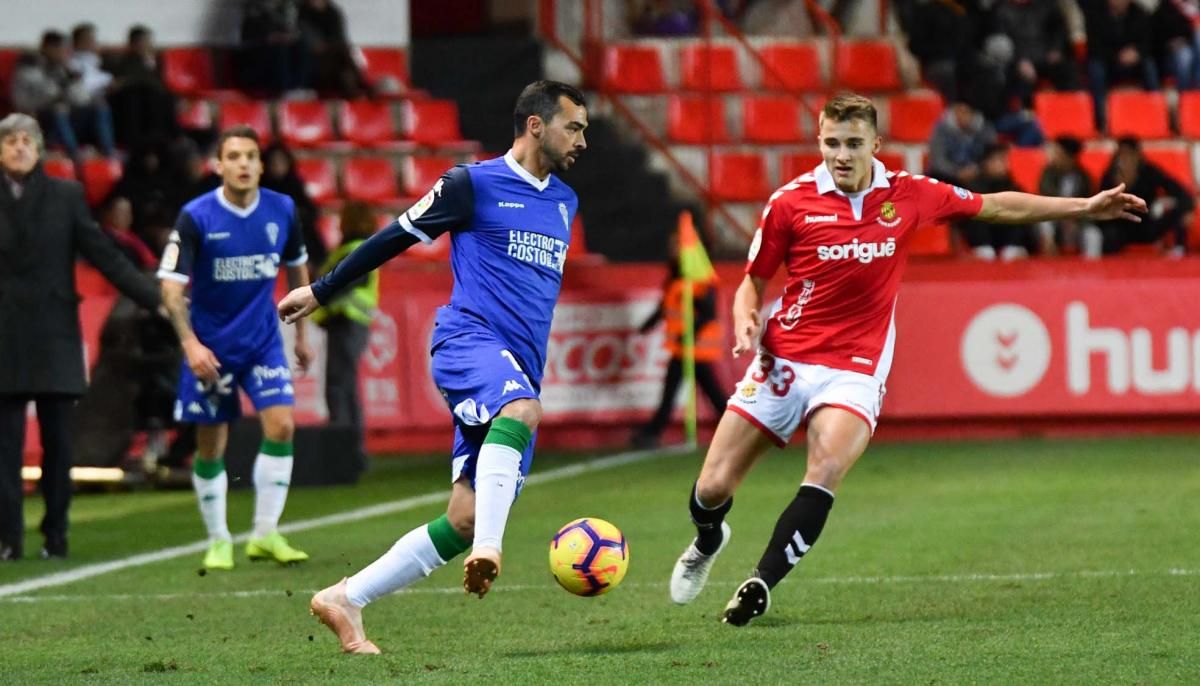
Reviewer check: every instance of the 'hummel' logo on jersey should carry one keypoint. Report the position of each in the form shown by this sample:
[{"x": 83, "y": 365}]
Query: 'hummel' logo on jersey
[
  {"x": 513, "y": 205},
  {"x": 512, "y": 385},
  {"x": 814, "y": 218}
]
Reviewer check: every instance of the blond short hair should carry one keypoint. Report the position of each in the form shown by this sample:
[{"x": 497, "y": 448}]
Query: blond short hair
[{"x": 848, "y": 106}]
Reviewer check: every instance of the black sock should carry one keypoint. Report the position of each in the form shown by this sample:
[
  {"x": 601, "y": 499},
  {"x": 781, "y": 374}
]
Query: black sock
[
  {"x": 795, "y": 532},
  {"x": 708, "y": 523}
]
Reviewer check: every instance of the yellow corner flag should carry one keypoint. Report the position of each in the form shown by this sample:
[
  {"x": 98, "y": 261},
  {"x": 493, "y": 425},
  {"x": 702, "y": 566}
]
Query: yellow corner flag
[
  {"x": 693, "y": 261},
  {"x": 694, "y": 267}
]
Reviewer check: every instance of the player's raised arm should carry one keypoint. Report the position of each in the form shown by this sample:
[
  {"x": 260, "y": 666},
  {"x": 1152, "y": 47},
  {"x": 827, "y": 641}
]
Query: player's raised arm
[{"x": 1011, "y": 207}]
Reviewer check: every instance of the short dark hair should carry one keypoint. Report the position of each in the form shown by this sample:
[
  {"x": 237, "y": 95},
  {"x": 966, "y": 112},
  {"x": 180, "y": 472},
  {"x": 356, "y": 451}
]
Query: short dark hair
[
  {"x": 53, "y": 39},
  {"x": 1070, "y": 145},
  {"x": 847, "y": 106},
  {"x": 541, "y": 98},
  {"x": 1130, "y": 143},
  {"x": 80, "y": 30},
  {"x": 137, "y": 32},
  {"x": 237, "y": 131}
]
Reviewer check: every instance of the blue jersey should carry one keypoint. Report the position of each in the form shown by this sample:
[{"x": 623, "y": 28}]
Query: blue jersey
[
  {"x": 231, "y": 257},
  {"x": 509, "y": 233}
]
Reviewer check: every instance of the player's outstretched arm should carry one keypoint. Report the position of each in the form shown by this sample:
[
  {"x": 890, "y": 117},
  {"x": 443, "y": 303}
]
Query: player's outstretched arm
[
  {"x": 297, "y": 277},
  {"x": 200, "y": 359},
  {"x": 746, "y": 322},
  {"x": 1011, "y": 207}
]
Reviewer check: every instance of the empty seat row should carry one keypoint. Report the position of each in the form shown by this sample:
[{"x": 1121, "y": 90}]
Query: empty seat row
[
  {"x": 371, "y": 179},
  {"x": 1141, "y": 114}
]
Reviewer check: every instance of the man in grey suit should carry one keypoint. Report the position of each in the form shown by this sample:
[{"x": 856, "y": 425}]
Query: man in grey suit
[{"x": 44, "y": 226}]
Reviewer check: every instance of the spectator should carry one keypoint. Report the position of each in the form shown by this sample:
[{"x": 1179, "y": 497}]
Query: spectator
[
  {"x": 959, "y": 140},
  {"x": 1063, "y": 177},
  {"x": 663, "y": 17},
  {"x": 1170, "y": 203},
  {"x": 117, "y": 223},
  {"x": 145, "y": 184},
  {"x": 86, "y": 62},
  {"x": 347, "y": 322},
  {"x": 323, "y": 26},
  {"x": 143, "y": 107},
  {"x": 279, "y": 174},
  {"x": 44, "y": 225},
  {"x": 1038, "y": 33},
  {"x": 989, "y": 241},
  {"x": 1120, "y": 48},
  {"x": 191, "y": 175},
  {"x": 274, "y": 59},
  {"x": 940, "y": 35},
  {"x": 45, "y": 86},
  {"x": 1177, "y": 33}
]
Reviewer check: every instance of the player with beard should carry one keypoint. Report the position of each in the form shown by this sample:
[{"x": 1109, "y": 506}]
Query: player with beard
[{"x": 509, "y": 221}]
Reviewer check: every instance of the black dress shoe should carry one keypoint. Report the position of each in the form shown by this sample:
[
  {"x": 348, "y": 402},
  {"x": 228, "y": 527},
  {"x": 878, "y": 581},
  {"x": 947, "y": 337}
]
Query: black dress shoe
[
  {"x": 9, "y": 553},
  {"x": 54, "y": 547}
]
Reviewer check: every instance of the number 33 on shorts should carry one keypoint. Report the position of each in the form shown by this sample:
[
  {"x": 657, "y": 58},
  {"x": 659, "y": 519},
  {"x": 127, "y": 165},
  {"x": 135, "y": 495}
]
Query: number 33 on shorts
[{"x": 776, "y": 394}]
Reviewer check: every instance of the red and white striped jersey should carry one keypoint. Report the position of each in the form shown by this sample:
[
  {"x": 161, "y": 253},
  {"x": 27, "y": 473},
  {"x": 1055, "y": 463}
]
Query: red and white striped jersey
[{"x": 845, "y": 254}]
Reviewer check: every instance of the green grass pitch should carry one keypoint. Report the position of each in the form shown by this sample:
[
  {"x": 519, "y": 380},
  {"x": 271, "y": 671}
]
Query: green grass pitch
[{"x": 1022, "y": 562}]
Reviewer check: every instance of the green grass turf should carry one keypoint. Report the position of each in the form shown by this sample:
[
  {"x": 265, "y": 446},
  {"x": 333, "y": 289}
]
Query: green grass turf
[{"x": 953, "y": 563}]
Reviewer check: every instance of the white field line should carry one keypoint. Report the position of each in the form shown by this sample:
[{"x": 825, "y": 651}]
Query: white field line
[
  {"x": 141, "y": 559},
  {"x": 516, "y": 588}
]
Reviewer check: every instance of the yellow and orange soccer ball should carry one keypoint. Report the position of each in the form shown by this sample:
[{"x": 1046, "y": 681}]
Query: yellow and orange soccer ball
[{"x": 589, "y": 556}]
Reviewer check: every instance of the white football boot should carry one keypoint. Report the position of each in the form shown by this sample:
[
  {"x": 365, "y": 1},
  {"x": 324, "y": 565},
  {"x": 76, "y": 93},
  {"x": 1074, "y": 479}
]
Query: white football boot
[{"x": 692, "y": 568}]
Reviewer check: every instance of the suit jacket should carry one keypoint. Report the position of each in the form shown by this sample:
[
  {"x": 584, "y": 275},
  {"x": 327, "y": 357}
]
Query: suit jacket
[{"x": 41, "y": 234}]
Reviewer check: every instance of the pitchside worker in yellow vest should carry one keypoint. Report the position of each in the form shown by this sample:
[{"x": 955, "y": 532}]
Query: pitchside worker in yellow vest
[{"x": 347, "y": 322}]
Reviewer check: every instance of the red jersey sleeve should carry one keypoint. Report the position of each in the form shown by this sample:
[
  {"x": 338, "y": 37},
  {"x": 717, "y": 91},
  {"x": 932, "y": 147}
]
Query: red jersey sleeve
[
  {"x": 939, "y": 201},
  {"x": 771, "y": 242}
]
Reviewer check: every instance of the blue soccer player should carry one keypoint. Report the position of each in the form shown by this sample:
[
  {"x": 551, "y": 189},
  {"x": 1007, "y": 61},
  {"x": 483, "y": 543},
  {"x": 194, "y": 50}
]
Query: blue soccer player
[
  {"x": 509, "y": 221},
  {"x": 228, "y": 244}
]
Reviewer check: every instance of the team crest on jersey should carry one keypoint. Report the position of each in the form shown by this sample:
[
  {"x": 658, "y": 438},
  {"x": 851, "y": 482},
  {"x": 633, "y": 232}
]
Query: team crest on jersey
[
  {"x": 962, "y": 193},
  {"x": 887, "y": 214},
  {"x": 562, "y": 211},
  {"x": 272, "y": 232},
  {"x": 748, "y": 391}
]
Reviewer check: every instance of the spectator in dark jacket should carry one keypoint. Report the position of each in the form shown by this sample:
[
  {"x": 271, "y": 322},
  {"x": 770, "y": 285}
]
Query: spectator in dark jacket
[
  {"x": 323, "y": 27},
  {"x": 274, "y": 60},
  {"x": 1177, "y": 34},
  {"x": 279, "y": 174},
  {"x": 1119, "y": 47},
  {"x": 1170, "y": 203},
  {"x": 142, "y": 106},
  {"x": 1038, "y": 32},
  {"x": 958, "y": 143},
  {"x": 1063, "y": 177}
]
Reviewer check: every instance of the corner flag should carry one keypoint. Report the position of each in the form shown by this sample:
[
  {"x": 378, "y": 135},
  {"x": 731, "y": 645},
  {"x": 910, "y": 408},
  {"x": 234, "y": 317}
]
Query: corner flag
[{"x": 694, "y": 267}]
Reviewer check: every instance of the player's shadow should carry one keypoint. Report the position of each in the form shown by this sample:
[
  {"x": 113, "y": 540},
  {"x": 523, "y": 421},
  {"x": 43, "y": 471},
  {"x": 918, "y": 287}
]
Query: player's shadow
[{"x": 601, "y": 649}]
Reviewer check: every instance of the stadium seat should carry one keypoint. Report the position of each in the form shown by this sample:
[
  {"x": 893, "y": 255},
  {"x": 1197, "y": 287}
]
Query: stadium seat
[
  {"x": 8, "y": 63},
  {"x": 632, "y": 68},
  {"x": 931, "y": 240},
  {"x": 792, "y": 67},
  {"x": 320, "y": 179},
  {"x": 1025, "y": 165},
  {"x": 370, "y": 179},
  {"x": 1175, "y": 160},
  {"x": 59, "y": 167},
  {"x": 892, "y": 161},
  {"x": 100, "y": 174},
  {"x": 1065, "y": 114},
  {"x": 329, "y": 228},
  {"x": 912, "y": 116},
  {"x": 421, "y": 172},
  {"x": 366, "y": 122},
  {"x": 1189, "y": 114},
  {"x": 1139, "y": 114},
  {"x": 739, "y": 176},
  {"x": 386, "y": 64},
  {"x": 794, "y": 164},
  {"x": 188, "y": 71},
  {"x": 866, "y": 66},
  {"x": 769, "y": 119},
  {"x": 251, "y": 112},
  {"x": 304, "y": 124},
  {"x": 1095, "y": 161},
  {"x": 195, "y": 115},
  {"x": 696, "y": 119},
  {"x": 710, "y": 68},
  {"x": 431, "y": 122}
]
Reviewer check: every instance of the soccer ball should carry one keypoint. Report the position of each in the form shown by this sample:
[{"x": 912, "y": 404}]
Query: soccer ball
[{"x": 589, "y": 556}]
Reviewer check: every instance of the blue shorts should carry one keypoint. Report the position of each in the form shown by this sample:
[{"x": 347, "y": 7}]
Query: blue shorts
[
  {"x": 267, "y": 380},
  {"x": 477, "y": 376}
]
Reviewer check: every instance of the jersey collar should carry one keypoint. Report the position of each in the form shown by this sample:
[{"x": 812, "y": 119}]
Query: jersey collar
[
  {"x": 520, "y": 171},
  {"x": 825, "y": 182},
  {"x": 242, "y": 212}
]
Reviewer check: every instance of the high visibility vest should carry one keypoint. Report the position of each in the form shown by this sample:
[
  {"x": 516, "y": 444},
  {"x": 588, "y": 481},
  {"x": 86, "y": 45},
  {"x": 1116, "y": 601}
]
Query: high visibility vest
[
  {"x": 708, "y": 334},
  {"x": 357, "y": 304}
]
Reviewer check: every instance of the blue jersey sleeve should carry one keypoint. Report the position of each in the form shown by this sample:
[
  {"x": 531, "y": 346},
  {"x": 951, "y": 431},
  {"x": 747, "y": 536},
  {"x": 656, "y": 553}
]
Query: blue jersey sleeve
[
  {"x": 449, "y": 205},
  {"x": 294, "y": 253},
  {"x": 180, "y": 253}
]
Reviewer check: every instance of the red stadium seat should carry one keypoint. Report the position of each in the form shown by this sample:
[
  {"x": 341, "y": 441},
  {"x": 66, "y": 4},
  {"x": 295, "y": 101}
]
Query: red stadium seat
[
  {"x": 739, "y": 176},
  {"x": 329, "y": 228},
  {"x": 1025, "y": 165},
  {"x": 711, "y": 68},
  {"x": 386, "y": 64},
  {"x": 1095, "y": 161},
  {"x": 100, "y": 174},
  {"x": 912, "y": 116},
  {"x": 253, "y": 113},
  {"x": 431, "y": 122},
  {"x": 366, "y": 122},
  {"x": 697, "y": 119},
  {"x": 320, "y": 178},
  {"x": 867, "y": 66},
  {"x": 792, "y": 67},
  {"x": 195, "y": 115},
  {"x": 370, "y": 179},
  {"x": 1173, "y": 159},
  {"x": 633, "y": 69},
  {"x": 1139, "y": 114},
  {"x": 1065, "y": 114},
  {"x": 1189, "y": 114},
  {"x": 304, "y": 124},
  {"x": 892, "y": 161},
  {"x": 794, "y": 164},
  {"x": 8, "y": 63},
  {"x": 59, "y": 167},
  {"x": 770, "y": 119},
  {"x": 420, "y": 173},
  {"x": 188, "y": 71}
]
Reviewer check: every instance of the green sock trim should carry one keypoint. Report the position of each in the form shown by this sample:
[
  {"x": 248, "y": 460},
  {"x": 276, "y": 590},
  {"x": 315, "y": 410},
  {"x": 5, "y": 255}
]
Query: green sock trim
[
  {"x": 206, "y": 468},
  {"x": 275, "y": 448},
  {"x": 445, "y": 539},
  {"x": 509, "y": 432}
]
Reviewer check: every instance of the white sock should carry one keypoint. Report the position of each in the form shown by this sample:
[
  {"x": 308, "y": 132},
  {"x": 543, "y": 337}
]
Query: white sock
[
  {"x": 272, "y": 475},
  {"x": 496, "y": 472},
  {"x": 411, "y": 559},
  {"x": 210, "y": 493}
]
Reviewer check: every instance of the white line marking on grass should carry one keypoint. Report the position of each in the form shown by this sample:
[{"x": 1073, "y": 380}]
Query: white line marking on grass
[
  {"x": 516, "y": 588},
  {"x": 96, "y": 569}
]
